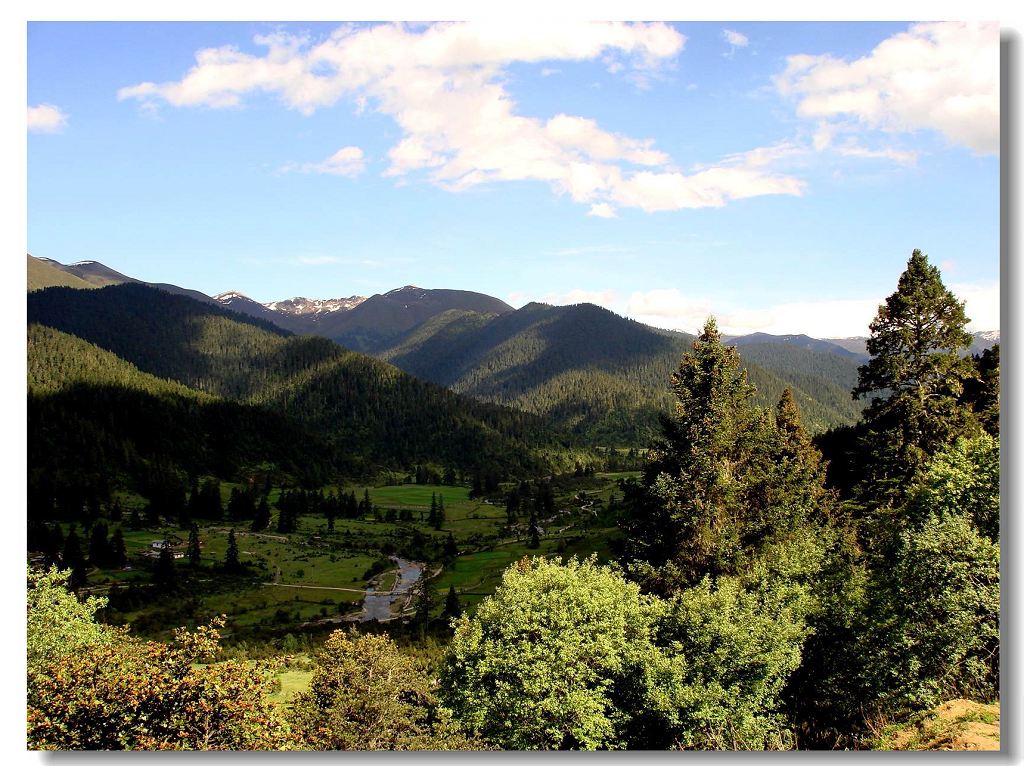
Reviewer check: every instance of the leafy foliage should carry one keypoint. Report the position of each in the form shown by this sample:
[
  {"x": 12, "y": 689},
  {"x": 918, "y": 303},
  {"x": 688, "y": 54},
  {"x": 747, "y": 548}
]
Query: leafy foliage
[
  {"x": 95, "y": 688},
  {"x": 933, "y": 632},
  {"x": 538, "y": 665},
  {"x": 58, "y": 623},
  {"x": 365, "y": 694}
]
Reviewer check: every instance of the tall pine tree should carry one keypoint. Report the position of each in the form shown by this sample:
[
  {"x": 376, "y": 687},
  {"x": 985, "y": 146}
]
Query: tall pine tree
[{"x": 915, "y": 379}]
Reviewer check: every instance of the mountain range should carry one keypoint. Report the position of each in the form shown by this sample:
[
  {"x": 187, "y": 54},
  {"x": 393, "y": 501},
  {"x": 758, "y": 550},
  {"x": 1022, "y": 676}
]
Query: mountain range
[{"x": 599, "y": 377}]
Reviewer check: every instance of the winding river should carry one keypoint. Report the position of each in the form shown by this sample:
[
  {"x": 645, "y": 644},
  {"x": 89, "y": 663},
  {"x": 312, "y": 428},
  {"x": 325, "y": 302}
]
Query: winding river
[{"x": 377, "y": 606}]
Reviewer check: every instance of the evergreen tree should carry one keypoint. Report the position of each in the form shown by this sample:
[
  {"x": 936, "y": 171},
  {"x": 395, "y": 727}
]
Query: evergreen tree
[
  {"x": 452, "y": 607},
  {"x": 451, "y": 550},
  {"x": 99, "y": 549},
  {"x": 211, "y": 505},
  {"x": 134, "y": 520},
  {"x": 424, "y": 605},
  {"x": 164, "y": 575},
  {"x": 195, "y": 499},
  {"x": 981, "y": 390},
  {"x": 241, "y": 505},
  {"x": 194, "y": 551},
  {"x": 688, "y": 509},
  {"x": 118, "y": 552},
  {"x": 439, "y": 514},
  {"x": 534, "y": 541},
  {"x": 262, "y": 518},
  {"x": 512, "y": 506},
  {"x": 231, "y": 560},
  {"x": 915, "y": 378},
  {"x": 725, "y": 480},
  {"x": 73, "y": 558},
  {"x": 432, "y": 517}
]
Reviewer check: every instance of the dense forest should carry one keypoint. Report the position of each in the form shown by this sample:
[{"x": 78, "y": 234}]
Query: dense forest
[
  {"x": 601, "y": 376},
  {"x": 760, "y": 588},
  {"x": 372, "y": 414}
]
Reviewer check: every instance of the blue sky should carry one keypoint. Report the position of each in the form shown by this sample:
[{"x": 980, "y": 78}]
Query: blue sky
[{"x": 775, "y": 174}]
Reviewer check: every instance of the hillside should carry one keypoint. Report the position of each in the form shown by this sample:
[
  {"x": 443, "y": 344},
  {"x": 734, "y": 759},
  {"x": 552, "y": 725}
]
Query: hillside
[
  {"x": 374, "y": 412},
  {"x": 95, "y": 419},
  {"x": 601, "y": 376},
  {"x": 378, "y": 321},
  {"x": 42, "y": 272}
]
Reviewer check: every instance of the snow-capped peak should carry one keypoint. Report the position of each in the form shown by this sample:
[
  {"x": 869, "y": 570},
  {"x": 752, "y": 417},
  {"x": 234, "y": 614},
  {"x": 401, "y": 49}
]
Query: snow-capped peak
[
  {"x": 231, "y": 295},
  {"x": 300, "y": 306}
]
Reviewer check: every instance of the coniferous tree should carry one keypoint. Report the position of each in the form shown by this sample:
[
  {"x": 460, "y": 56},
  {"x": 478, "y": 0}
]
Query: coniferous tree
[
  {"x": 164, "y": 575},
  {"x": 211, "y": 504},
  {"x": 134, "y": 519},
  {"x": 534, "y": 541},
  {"x": 424, "y": 605},
  {"x": 262, "y": 518},
  {"x": 452, "y": 607},
  {"x": 512, "y": 506},
  {"x": 99, "y": 547},
  {"x": 73, "y": 558},
  {"x": 451, "y": 550},
  {"x": 915, "y": 379},
  {"x": 981, "y": 390},
  {"x": 726, "y": 479},
  {"x": 118, "y": 552},
  {"x": 231, "y": 560},
  {"x": 432, "y": 517},
  {"x": 439, "y": 514},
  {"x": 194, "y": 551}
]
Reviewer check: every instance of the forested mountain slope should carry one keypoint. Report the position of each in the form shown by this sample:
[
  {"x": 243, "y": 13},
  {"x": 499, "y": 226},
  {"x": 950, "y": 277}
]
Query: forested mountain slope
[
  {"x": 602, "y": 376},
  {"x": 96, "y": 418},
  {"x": 372, "y": 411},
  {"x": 375, "y": 323}
]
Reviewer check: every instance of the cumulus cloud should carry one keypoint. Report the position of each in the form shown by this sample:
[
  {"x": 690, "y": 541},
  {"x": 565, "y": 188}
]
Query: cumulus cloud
[
  {"x": 940, "y": 76},
  {"x": 602, "y": 210},
  {"x": 735, "y": 39},
  {"x": 981, "y": 304},
  {"x": 671, "y": 309},
  {"x": 347, "y": 161},
  {"x": 46, "y": 118},
  {"x": 443, "y": 86}
]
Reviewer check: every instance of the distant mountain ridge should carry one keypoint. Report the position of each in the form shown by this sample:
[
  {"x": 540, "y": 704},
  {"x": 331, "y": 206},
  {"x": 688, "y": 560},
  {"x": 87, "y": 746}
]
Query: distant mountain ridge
[
  {"x": 95, "y": 274},
  {"x": 798, "y": 340},
  {"x": 602, "y": 377},
  {"x": 374, "y": 413}
]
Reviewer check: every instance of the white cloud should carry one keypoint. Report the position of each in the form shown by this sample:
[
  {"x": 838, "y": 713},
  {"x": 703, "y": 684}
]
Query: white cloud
[
  {"x": 442, "y": 84},
  {"x": 602, "y": 210},
  {"x": 669, "y": 308},
  {"x": 46, "y": 118},
  {"x": 941, "y": 76},
  {"x": 981, "y": 304},
  {"x": 735, "y": 39},
  {"x": 347, "y": 161}
]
